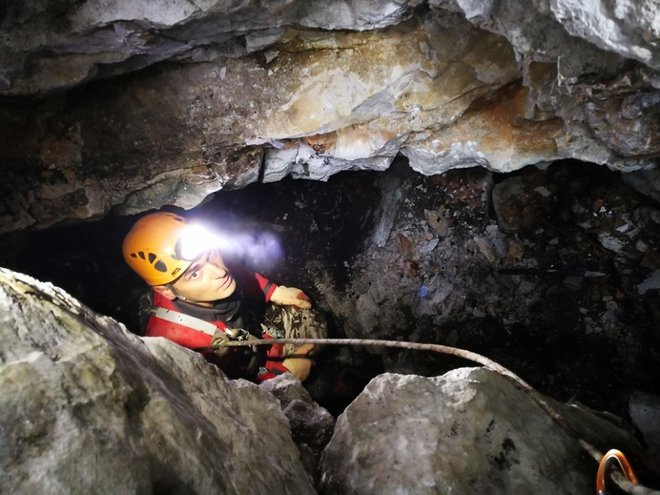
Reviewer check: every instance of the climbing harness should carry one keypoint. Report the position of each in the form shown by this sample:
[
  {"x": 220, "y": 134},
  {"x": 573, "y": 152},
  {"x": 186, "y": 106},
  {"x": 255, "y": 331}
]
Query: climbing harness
[
  {"x": 628, "y": 486},
  {"x": 179, "y": 318}
]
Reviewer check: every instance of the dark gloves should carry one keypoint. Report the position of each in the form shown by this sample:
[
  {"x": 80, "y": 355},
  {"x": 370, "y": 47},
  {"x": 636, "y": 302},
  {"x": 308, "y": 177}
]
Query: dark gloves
[
  {"x": 220, "y": 337},
  {"x": 238, "y": 362}
]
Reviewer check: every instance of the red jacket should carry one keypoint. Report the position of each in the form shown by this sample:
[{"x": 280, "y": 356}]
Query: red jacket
[{"x": 174, "y": 321}]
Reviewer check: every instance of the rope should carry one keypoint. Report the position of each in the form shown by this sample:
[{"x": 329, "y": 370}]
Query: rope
[
  {"x": 416, "y": 346},
  {"x": 622, "y": 482}
]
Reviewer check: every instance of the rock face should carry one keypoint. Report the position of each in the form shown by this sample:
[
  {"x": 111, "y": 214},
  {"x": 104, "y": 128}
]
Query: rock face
[
  {"x": 98, "y": 39},
  {"x": 468, "y": 431},
  {"x": 311, "y": 425},
  {"x": 216, "y": 95},
  {"x": 551, "y": 272},
  {"x": 87, "y": 407}
]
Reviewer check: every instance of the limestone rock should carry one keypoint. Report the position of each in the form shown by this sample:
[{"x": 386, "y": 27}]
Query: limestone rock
[
  {"x": 645, "y": 181},
  {"x": 308, "y": 88},
  {"x": 541, "y": 28},
  {"x": 568, "y": 42},
  {"x": 311, "y": 425},
  {"x": 175, "y": 136},
  {"x": 519, "y": 207},
  {"x": 628, "y": 28},
  {"x": 468, "y": 431},
  {"x": 98, "y": 39},
  {"x": 89, "y": 408}
]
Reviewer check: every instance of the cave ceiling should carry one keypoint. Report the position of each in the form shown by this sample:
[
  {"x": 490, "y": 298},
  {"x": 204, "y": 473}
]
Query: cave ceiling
[{"x": 124, "y": 106}]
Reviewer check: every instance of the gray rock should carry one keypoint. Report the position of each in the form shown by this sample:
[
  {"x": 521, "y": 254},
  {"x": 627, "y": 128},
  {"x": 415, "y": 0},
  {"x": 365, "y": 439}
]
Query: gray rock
[
  {"x": 468, "y": 431},
  {"x": 87, "y": 407},
  {"x": 652, "y": 282},
  {"x": 631, "y": 29},
  {"x": 96, "y": 38},
  {"x": 311, "y": 425},
  {"x": 645, "y": 181},
  {"x": 509, "y": 218},
  {"x": 644, "y": 411},
  {"x": 308, "y": 89}
]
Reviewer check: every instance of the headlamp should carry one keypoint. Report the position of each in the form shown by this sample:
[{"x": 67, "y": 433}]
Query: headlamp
[{"x": 195, "y": 241}]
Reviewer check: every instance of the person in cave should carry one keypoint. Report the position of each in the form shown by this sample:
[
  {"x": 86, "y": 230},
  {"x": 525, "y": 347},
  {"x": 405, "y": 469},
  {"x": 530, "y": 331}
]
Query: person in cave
[{"x": 199, "y": 301}]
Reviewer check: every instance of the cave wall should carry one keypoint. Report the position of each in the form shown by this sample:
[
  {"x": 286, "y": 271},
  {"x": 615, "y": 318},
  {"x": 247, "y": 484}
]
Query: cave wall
[
  {"x": 115, "y": 106},
  {"x": 554, "y": 273},
  {"x": 124, "y": 106}
]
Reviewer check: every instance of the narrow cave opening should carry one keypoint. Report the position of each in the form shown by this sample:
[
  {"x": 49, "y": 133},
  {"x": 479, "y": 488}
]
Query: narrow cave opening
[{"x": 552, "y": 272}]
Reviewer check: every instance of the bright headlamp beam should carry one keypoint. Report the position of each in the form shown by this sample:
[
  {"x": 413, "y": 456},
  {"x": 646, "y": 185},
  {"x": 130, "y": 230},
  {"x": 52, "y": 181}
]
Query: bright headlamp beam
[{"x": 195, "y": 241}]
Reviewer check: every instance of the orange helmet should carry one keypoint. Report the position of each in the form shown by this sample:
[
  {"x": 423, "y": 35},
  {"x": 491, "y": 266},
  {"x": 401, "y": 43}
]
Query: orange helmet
[{"x": 151, "y": 248}]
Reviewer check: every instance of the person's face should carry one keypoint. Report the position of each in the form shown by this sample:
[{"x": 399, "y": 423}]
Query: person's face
[{"x": 206, "y": 280}]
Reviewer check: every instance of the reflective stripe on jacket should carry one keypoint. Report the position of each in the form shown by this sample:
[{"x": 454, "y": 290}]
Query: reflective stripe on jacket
[{"x": 169, "y": 321}]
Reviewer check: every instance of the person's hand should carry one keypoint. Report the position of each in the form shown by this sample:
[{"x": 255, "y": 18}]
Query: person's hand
[
  {"x": 290, "y": 296},
  {"x": 300, "y": 367}
]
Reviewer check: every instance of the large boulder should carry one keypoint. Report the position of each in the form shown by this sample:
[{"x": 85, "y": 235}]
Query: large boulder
[
  {"x": 89, "y": 408},
  {"x": 468, "y": 431}
]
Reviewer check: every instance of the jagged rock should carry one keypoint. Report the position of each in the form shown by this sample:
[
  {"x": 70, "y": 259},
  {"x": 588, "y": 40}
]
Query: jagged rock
[
  {"x": 98, "y": 39},
  {"x": 645, "y": 181},
  {"x": 89, "y": 408},
  {"x": 353, "y": 115},
  {"x": 255, "y": 90},
  {"x": 468, "y": 431},
  {"x": 650, "y": 283},
  {"x": 561, "y": 45},
  {"x": 537, "y": 289},
  {"x": 311, "y": 425},
  {"x": 626, "y": 28},
  {"x": 620, "y": 26}
]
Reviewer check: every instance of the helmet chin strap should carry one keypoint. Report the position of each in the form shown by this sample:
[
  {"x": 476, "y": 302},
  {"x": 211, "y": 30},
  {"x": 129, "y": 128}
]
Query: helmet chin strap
[{"x": 176, "y": 292}]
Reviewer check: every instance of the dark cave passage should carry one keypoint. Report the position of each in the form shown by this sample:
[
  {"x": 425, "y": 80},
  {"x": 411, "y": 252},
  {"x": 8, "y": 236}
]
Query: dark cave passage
[{"x": 540, "y": 270}]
